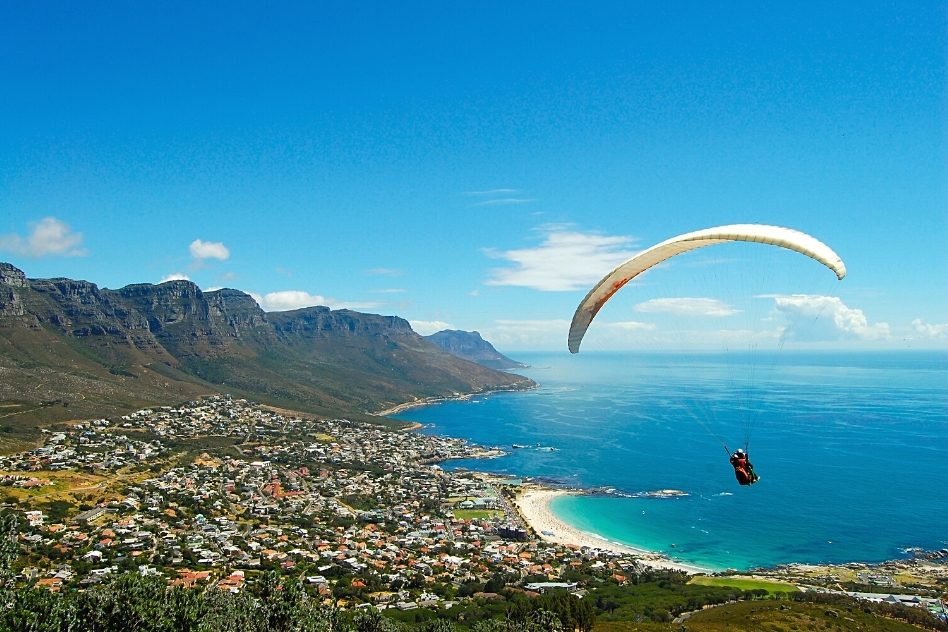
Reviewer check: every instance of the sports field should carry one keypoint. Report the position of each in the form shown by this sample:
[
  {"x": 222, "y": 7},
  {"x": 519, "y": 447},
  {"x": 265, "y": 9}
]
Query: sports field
[{"x": 745, "y": 583}]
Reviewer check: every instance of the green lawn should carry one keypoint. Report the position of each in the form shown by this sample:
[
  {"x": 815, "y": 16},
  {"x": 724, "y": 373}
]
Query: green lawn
[
  {"x": 476, "y": 514},
  {"x": 745, "y": 584}
]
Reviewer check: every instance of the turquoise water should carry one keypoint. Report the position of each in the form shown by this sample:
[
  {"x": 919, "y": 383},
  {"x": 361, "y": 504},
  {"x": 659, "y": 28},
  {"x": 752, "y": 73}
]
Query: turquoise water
[{"x": 852, "y": 450}]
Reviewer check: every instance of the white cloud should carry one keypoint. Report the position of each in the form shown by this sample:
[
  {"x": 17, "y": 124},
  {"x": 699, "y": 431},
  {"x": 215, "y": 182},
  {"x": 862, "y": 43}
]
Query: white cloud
[
  {"x": 258, "y": 298},
  {"x": 384, "y": 271},
  {"x": 174, "y": 276},
  {"x": 390, "y": 290},
  {"x": 630, "y": 325},
  {"x": 931, "y": 331},
  {"x": 209, "y": 250},
  {"x": 564, "y": 261},
  {"x": 821, "y": 318},
  {"x": 687, "y": 307},
  {"x": 297, "y": 299},
  {"x": 50, "y": 238},
  {"x": 428, "y": 327}
]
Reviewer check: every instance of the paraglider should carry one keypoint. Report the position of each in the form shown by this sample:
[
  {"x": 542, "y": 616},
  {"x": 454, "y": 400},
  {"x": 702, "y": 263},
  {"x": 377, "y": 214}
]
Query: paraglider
[
  {"x": 606, "y": 288},
  {"x": 770, "y": 235},
  {"x": 743, "y": 469}
]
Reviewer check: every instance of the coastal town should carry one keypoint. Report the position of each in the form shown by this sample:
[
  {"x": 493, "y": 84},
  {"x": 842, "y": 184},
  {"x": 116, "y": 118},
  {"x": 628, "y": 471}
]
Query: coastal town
[
  {"x": 361, "y": 514},
  {"x": 364, "y": 514}
]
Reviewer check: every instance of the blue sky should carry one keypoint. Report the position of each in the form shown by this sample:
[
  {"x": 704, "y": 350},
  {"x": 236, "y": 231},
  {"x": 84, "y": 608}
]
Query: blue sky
[{"x": 478, "y": 165}]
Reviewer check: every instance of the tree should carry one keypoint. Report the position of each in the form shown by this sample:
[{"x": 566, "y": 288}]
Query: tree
[
  {"x": 540, "y": 621},
  {"x": 371, "y": 620},
  {"x": 496, "y": 583}
]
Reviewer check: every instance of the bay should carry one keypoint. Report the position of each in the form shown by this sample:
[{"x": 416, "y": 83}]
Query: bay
[{"x": 852, "y": 449}]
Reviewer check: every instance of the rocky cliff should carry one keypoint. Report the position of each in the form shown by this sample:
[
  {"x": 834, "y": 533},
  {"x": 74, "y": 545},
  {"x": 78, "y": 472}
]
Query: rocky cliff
[{"x": 71, "y": 349}]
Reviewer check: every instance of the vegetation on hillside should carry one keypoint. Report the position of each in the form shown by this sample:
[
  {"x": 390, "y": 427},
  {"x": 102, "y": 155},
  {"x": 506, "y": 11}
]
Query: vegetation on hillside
[
  {"x": 71, "y": 350},
  {"x": 283, "y": 603}
]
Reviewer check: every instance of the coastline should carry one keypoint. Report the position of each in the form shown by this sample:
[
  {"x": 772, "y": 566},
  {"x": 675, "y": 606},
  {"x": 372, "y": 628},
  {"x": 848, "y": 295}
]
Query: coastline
[
  {"x": 534, "y": 505},
  {"x": 461, "y": 397},
  {"x": 536, "y": 512}
]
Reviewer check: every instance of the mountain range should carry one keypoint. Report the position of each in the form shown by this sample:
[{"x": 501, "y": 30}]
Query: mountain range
[
  {"x": 471, "y": 346},
  {"x": 71, "y": 350}
]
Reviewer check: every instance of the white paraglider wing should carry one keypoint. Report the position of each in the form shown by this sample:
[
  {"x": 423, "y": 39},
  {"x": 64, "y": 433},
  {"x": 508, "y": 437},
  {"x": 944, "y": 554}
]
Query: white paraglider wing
[{"x": 770, "y": 235}]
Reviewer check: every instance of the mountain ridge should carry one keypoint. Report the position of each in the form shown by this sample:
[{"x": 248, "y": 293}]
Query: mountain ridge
[{"x": 67, "y": 344}]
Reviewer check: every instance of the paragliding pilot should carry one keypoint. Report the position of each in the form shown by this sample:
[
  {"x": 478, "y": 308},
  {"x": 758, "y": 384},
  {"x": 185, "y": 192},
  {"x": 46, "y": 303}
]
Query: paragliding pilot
[{"x": 743, "y": 469}]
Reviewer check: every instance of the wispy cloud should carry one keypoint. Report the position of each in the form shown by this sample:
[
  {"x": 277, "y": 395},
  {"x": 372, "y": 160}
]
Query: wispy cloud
[
  {"x": 816, "y": 318},
  {"x": 50, "y": 237},
  {"x": 392, "y": 272},
  {"x": 506, "y": 196},
  {"x": 209, "y": 250},
  {"x": 174, "y": 276},
  {"x": 687, "y": 307},
  {"x": 297, "y": 299},
  {"x": 937, "y": 332},
  {"x": 390, "y": 290},
  {"x": 504, "y": 201},
  {"x": 566, "y": 260},
  {"x": 428, "y": 327},
  {"x": 493, "y": 192}
]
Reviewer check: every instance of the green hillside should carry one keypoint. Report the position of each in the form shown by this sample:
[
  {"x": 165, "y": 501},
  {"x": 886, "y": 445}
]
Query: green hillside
[
  {"x": 69, "y": 349},
  {"x": 777, "y": 616},
  {"x": 794, "y": 616}
]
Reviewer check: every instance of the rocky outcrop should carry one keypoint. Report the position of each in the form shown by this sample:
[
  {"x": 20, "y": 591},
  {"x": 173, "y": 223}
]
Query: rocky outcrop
[
  {"x": 12, "y": 282},
  {"x": 10, "y": 279},
  {"x": 12, "y": 276}
]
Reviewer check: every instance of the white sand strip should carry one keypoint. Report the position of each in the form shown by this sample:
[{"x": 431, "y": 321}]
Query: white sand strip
[{"x": 534, "y": 505}]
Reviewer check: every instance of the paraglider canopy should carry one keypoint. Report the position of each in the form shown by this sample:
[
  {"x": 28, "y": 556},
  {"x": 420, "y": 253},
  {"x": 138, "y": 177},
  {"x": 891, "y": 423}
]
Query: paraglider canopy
[{"x": 769, "y": 235}]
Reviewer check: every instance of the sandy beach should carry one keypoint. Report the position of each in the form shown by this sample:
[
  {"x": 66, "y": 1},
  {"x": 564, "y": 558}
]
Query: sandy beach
[{"x": 534, "y": 506}]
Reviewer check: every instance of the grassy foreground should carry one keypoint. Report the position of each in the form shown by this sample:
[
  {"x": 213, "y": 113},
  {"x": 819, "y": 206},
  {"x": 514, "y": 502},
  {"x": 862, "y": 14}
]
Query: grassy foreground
[{"x": 773, "y": 616}]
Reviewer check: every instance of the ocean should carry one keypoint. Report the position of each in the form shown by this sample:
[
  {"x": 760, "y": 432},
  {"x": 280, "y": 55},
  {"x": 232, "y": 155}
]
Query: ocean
[{"x": 852, "y": 450}]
